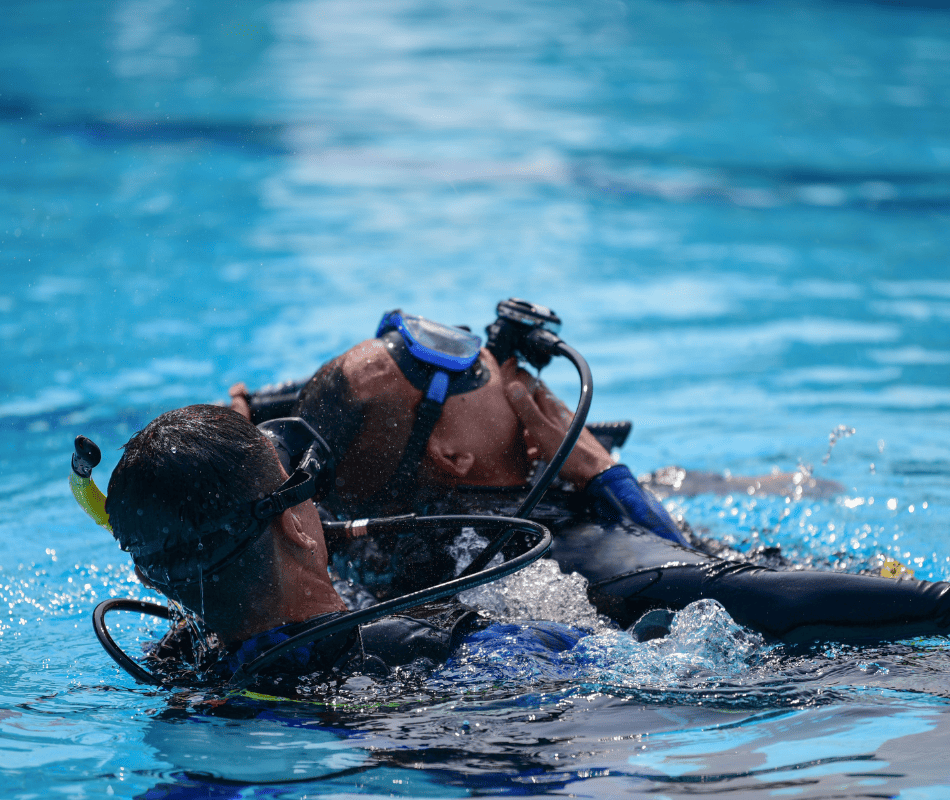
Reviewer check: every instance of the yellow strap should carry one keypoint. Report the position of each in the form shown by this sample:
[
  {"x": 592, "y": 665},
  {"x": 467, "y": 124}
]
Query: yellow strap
[{"x": 92, "y": 500}]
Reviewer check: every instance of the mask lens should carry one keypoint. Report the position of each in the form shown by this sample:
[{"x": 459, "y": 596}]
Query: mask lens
[
  {"x": 442, "y": 346},
  {"x": 448, "y": 341},
  {"x": 291, "y": 438}
]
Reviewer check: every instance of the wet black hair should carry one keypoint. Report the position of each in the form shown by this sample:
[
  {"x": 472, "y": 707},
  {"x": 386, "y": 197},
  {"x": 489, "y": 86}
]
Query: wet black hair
[
  {"x": 177, "y": 497},
  {"x": 328, "y": 403}
]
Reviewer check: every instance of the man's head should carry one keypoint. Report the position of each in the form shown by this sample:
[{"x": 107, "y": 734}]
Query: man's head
[
  {"x": 180, "y": 502},
  {"x": 364, "y": 406}
]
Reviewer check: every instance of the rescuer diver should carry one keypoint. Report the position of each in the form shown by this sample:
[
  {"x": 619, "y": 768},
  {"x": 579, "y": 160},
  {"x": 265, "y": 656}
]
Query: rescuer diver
[
  {"x": 408, "y": 440},
  {"x": 217, "y": 516}
]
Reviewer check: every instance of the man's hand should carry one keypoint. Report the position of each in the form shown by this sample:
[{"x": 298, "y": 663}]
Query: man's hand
[
  {"x": 546, "y": 420},
  {"x": 239, "y": 395}
]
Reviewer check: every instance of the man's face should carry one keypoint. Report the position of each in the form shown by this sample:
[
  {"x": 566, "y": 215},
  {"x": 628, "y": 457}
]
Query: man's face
[
  {"x": 480, "y": 422},
  {"x": 483, "y": 423}
]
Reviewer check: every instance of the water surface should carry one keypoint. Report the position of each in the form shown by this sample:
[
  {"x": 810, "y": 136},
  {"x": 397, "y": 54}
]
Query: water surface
[{"x": 739, "y": 209}]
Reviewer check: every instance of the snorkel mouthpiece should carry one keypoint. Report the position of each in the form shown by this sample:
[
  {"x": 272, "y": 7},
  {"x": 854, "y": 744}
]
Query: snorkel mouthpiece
[{"x": 87, "y": 494}]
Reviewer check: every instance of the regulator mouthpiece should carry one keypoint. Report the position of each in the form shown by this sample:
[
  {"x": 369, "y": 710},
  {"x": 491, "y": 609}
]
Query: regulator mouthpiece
[
  {"x": 525, "y": 330},
  {"x": 87, "y": 494}
]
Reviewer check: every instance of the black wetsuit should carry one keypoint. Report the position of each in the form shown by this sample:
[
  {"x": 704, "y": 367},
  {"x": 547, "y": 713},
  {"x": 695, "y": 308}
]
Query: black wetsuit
[
  {"x": 425, "y": 637},
  {"x": 631, "y": 569}
]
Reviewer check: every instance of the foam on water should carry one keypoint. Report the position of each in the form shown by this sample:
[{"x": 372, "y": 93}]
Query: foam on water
[
  {"x": 539, "y": 591},
  {"x": 703, "y": 648},
  {"x": 704, "y": 645}
]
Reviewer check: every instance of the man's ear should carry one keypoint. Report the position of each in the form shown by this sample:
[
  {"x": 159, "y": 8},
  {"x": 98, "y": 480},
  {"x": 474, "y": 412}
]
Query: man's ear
[
  {"x": 450, "y": 460},
  {"x": 291, "y": 528}
]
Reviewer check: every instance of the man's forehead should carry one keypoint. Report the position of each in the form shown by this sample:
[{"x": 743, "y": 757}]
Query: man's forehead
[{"x": 371, "y": 372}]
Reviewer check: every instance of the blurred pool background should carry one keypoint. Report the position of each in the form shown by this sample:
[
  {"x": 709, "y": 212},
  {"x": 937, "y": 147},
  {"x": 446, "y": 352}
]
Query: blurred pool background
[{"x": 739, "y": 209}]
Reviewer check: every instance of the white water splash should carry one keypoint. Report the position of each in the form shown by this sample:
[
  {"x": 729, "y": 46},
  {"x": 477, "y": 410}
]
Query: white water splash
[
  {"x": 703, "y": 649},
  {"x": 704, "y": 643},
  {"x": 839, "y": 432},
  {"x": 540, "y": 591}
]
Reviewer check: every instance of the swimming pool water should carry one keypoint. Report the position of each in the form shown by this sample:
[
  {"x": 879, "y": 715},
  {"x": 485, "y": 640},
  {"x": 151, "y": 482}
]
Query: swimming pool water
[{"x": 739, "y": 210}]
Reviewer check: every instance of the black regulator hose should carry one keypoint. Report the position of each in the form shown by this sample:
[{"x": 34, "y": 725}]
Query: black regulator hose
[
  {"x": 115, "y": 652},
  {"x": 573, "y": 432},
  {"x": 558, "y": 347}
]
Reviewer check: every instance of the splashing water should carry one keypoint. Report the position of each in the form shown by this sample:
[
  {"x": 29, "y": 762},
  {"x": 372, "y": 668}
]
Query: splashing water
[
  {"x": 704, "y": 643},
  {"x": 839, "y": 432},
  {"x": 804, "y": 474},
  {"x": 703, "y": 648},
  {"x": 540, "y": 591}
]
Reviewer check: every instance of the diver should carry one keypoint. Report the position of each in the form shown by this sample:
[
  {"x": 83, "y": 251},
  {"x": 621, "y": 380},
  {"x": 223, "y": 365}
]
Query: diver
[
  {"x": 422, "y": 420},
  {"x": 217, "y": 515}
]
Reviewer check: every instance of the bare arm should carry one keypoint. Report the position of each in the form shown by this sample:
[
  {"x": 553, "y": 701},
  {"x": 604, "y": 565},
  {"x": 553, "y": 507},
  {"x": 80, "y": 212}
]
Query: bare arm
[{"x": 239, "y": 396}]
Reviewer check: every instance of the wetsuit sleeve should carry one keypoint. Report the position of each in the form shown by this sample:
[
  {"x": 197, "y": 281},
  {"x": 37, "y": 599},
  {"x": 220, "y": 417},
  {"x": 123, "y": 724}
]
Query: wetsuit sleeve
[{"x": 617, "y": 497}]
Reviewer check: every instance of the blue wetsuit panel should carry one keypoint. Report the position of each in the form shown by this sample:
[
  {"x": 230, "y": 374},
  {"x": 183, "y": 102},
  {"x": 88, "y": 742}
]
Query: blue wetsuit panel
[{"x": 531, "y": 637}]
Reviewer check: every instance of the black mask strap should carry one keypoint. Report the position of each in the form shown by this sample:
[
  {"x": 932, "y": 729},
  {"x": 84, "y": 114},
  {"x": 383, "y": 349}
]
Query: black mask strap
[
  {"x": 430, "y": 408},
  {"x": 313, "y": 471},
  {"x": 309, "y": 460},
  {"x": 436, "y": 384}
]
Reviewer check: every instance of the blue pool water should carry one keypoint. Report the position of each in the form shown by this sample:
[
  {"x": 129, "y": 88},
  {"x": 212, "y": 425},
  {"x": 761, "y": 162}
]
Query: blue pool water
[{"x": 739, "y": 209}]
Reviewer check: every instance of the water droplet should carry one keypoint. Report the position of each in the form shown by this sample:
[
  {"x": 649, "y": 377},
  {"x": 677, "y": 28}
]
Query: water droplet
[{"x": 140, "y": 512}]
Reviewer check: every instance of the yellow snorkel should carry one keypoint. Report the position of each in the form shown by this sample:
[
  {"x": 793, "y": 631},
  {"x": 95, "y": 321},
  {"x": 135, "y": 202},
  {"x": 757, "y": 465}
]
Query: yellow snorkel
[{"x": 87, "y": 494}]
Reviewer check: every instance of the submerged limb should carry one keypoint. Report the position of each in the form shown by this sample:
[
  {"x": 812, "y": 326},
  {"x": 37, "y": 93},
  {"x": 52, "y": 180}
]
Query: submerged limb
[
  {"x": 793, "y": 607},
  {"x": 631, "y": 572}
]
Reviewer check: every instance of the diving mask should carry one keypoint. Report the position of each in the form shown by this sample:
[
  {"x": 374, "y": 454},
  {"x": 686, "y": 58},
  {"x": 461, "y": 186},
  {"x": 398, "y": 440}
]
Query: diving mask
[
  {"x": 424, "y": 349},
  {"x": 438, "y": 360}
]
